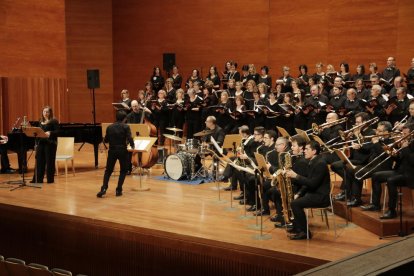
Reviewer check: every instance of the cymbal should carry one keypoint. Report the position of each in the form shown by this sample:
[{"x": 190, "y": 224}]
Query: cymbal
[
  {"x": 203, "y": 133},
  {"x": 172, "y": 137},
  {"x": 174, "y": 129}
]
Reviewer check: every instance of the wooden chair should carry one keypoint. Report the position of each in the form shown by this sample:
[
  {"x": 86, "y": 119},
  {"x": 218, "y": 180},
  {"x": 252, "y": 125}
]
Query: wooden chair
[
  {"x": 16, "y": 267},
  {"x": 39, "y": 270},
  {"x": 61, "y": 272},
  {"x": 3, "y": 270},
  {"x": 65, "y": 152},
  {"x": 324, "y": 212}
]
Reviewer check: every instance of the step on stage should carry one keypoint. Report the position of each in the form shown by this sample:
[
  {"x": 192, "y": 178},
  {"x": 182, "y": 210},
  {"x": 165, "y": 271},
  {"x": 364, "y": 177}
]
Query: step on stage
[{"x": 170, "y": 229}]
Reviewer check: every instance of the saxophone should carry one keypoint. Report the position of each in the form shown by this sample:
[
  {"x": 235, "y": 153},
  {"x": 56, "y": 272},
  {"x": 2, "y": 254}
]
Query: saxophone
[
  {"x": 284, "y": 185},
  {"x": 240, "y": 151}
]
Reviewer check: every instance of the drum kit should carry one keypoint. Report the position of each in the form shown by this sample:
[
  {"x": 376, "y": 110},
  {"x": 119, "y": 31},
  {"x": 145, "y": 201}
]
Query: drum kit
[{"x": 186, "y": 162}]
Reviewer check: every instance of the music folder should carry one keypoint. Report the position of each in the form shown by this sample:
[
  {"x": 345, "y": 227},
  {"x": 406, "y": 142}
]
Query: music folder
[{"x": 120, "y": 106}]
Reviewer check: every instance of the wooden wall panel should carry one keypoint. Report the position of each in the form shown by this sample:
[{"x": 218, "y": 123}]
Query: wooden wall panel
[
  {"x": 32, "y": 38},
  {"x": 29, "y": 95},
  {"x": 200, "y": 33},
  {"x": 33, "y": 58},
  {"x": 274, "y": 33},
  {"x": 89, "y": 46}
]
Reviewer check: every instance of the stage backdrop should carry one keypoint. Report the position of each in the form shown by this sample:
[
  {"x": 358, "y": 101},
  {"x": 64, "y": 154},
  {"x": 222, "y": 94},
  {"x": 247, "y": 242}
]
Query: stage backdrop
[{"x": 275, "y": 33}]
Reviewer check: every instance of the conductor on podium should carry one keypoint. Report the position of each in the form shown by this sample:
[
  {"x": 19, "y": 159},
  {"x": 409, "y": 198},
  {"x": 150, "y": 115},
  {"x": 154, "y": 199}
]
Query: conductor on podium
[{"x": 117, "y": 135}]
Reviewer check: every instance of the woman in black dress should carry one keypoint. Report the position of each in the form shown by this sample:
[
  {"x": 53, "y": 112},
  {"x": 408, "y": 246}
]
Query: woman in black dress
[
  {"x": 46, "y": 149},
  {"x": 193, "y": 108},
  {"x": 176, "y": 78},
  {"x": 213, "y": 77},
  {"x": 157, "y": 80}
]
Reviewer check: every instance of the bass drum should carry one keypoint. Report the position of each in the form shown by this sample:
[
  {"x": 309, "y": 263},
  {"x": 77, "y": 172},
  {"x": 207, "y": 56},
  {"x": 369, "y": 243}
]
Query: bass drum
[
  {"x": 177, "y": 166},
  {"x": 182, "y": 165}
]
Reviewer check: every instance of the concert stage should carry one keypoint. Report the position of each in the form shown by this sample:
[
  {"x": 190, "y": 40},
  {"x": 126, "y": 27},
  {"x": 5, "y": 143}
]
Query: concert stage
[{"x": 171, "y": 229}]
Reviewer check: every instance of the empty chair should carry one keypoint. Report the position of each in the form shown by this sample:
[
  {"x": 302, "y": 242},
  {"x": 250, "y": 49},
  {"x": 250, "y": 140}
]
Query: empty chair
[
  {"x": 61, "y": 272},
  {"x": 16, "y": 267},
  {"x": 38, "y": 270},
  {"x": 3, "y": 270},
  {"x": 65, "y": 152}
]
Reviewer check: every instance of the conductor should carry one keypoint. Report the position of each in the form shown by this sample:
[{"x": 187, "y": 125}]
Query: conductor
[{"x": 117, "y": 135}]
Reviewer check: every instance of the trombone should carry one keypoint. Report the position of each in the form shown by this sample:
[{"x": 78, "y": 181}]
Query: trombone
[
  {"x": 345, "y": 135},
  {"x": 400, "y": 123},
  {"x": 388, "y": 150},
  {"x": 317, "y": 129},
  {"x": 362, "y": 139}
]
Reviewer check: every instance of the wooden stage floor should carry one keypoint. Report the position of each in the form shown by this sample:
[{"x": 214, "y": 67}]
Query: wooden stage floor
[{"x": 189, "y": 210}]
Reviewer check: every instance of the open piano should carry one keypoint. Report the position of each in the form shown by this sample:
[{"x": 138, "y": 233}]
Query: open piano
[{"x": 83, "y": 133}]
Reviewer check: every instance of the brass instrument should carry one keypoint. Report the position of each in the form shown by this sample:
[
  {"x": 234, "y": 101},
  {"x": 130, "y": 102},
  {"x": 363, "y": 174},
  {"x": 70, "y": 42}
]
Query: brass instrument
[
  {"x": 285, "y": 185},
  {"x": 240, "y": 151},
  {"x": 376, "y": 162},
  {"x": 345, "y": 135},
  {"x": 362, "y": 139},
  {"x": 317, "y": 129},
  {"x": 400, "y": 123}
]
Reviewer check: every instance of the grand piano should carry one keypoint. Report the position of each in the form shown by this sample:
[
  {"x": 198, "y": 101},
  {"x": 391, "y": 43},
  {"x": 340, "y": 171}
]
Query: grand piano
[{"x": 83, "y": 133}]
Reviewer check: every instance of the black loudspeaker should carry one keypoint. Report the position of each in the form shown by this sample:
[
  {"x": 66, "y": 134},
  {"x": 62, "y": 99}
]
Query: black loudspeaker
[
  {"x": 168, "y": 61},
  {"x": 93, "y": 78}
]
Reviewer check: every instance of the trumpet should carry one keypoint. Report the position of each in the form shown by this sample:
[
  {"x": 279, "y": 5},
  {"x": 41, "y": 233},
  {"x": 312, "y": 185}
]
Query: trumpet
[
  {"x": 376, "y": 162},
  {"x": 317, "y": 129},
  {"x": 345, "y": 135}
]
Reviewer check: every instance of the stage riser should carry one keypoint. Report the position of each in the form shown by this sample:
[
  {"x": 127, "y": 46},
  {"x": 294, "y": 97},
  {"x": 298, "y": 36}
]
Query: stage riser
[{"x": 100, "y": 248}]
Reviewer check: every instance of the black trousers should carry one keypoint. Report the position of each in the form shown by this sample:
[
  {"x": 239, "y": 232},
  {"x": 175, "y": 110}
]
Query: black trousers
[
  {"x": 113, "y": 155},
  {"x": 5, "y": 164},
  {"x": 309, "y": 200},
  {"x": 273, "y": 194},
  {"x": 393, "y": 182},
  {"x": 45, "y": 160},
  {"x": 377, "y": 179}
]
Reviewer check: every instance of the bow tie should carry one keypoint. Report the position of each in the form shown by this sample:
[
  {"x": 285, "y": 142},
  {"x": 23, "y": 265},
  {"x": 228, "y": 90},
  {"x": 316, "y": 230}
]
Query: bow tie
[{"x": 336, "y": 98}]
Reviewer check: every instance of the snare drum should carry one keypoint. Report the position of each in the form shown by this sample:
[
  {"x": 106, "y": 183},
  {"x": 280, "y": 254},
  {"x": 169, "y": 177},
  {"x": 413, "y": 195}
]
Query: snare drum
[
  {"x": 181, "y": 147},
  {"x": 178, "y": 166},
  {"x": 193, "y": 145}
]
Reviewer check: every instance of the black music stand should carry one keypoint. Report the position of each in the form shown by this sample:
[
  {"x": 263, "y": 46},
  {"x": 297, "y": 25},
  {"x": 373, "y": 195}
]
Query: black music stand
[{"x": 36, "y": 133}]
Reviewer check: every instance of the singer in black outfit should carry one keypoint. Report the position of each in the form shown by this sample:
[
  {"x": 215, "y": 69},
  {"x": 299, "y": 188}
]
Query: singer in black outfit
[
  {"x": 117, "y": 135},
  {"x": 46, "y": 149}
]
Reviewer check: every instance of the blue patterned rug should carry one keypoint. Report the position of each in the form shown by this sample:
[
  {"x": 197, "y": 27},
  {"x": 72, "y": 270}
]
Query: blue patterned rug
[{"x": 195, "y": 181}]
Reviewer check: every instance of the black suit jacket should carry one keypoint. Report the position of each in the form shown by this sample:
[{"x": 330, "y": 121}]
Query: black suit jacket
[{"x": 318, "y": 180}]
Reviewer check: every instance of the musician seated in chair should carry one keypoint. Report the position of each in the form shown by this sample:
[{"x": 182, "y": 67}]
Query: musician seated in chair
[
  {"x": 218, "y": 133},
  {"x": 5, "y": 164},
  {"x": 401, "y": 176},
  {"x": 314, "y": 192}
]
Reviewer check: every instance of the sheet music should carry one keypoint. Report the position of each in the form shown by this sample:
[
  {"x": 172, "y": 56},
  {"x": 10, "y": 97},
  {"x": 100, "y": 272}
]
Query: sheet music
[
  {"x": 216, "y": 145},
  {"x": 141, "y": 144}
]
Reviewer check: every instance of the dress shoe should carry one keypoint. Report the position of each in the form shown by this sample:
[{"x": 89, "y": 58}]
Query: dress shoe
[
  {"x": 390, "y": 214},
  {"x": 300, "y": 236},
  {"x": 101, "y": 193},
  {"x": 118, "y": 193},
  {"x": 223, "y": 179},
  {"x": 277, "y": 219},
  {"x": 50, "y": 181},
  {"x": 262, "y": 213},
  {"x": 354, "y": 202},
  {"x": 9, "y": 170},
  {"x": 239, "y": 197},
  {"x": 229, "y": 188},
  {"x": 340, "y": 196},
  {"x": 370, "y": 207},
  {"x": 251, "y": 209},
  {"x": 280, "y": 224}
]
